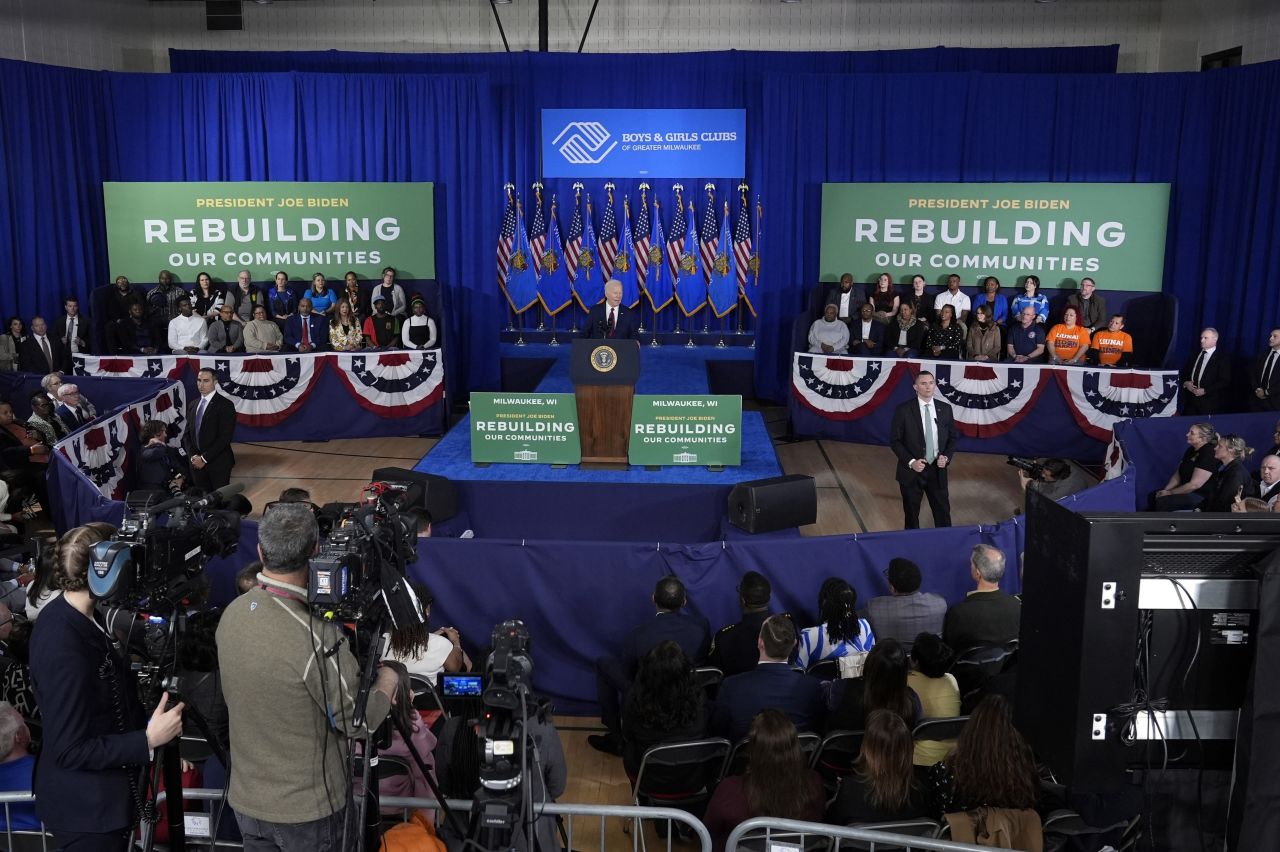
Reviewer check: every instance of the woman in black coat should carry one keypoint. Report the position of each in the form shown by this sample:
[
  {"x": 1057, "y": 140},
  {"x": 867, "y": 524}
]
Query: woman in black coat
[{"x": 1231, "y": 480}]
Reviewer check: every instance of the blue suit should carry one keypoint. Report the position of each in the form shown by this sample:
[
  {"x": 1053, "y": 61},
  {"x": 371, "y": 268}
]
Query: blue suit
[
  {"x": 86, "y": 696},
  {"x": 319, "y": 331},
  {"x": 769, "y": 686}
]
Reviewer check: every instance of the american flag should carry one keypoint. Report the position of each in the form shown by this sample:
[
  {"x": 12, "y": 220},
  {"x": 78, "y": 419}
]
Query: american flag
[
  {"x": 642, "y": 240},
  {"x": 675, "y": 239},
  {"x": 573, "y": 244},
  {"x": 742, "y": 243},
  {"x": 709, "y": 237},
  {"x": 608, "y": 239},
  {"x": 538, "y": 234},
  {"x": 506, "y": 238}
]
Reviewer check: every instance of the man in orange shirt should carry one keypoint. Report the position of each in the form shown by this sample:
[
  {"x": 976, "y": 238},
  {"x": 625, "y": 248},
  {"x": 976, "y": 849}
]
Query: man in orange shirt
[{"x": 1112, "y": 346}]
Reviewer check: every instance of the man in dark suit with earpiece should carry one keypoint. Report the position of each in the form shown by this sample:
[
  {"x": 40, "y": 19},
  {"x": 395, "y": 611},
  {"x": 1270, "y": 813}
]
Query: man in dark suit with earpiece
[
  {"x": 211, "y": 426},
  {"x": 610, "y": 318},
  {"x": 923, "y": 436}
]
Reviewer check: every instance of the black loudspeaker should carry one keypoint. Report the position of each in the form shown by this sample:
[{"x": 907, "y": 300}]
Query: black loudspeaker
[
  {"x": 439, "y": 497},
  {"x": 765, "y": 505}
]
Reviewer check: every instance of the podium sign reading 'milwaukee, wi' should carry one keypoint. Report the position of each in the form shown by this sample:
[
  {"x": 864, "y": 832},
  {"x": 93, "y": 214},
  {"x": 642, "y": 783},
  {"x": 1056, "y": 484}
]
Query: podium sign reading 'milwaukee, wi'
[
  {"x": 302, "y": 228},
  {"x": 686, "y": 430},
  {"x": 524, "y": 428}
]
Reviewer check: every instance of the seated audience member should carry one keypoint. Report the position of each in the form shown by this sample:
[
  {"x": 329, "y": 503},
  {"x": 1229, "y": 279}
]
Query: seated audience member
[
  {"x": 442, "y": 651},
  {"x": 991, "y": 767},
  {"x": 990, "y": 296},
  {"x": 883, "y": 786},
  {"x": 1112, "y": 346},
  {"x": 23, "y": 460},
  {"x": 15, "y": 672},
  {"x": 987, "y": 616},
  {"x": 983, "y": 341},
  {"x": 9, "y": 343},
  {"x": 244, "y": 297},
  {"x": 1090, "y": 305},
  {"x": 866, "y": 334},
  {"x": 956, "y": 298},
  {"x": 136, "y": 334},
  {"x": 883, "y": 686},
  {"x": 1031, "y": 297},
  {"x": 345, "y": 334},
  {"x": 322, "y": 298},
  {"x": 841, "y": 632},
  {"x": 207, "y": 297},
  {"x": 828, "y": 335},
  {"x": 1205, "y": 377},
  {"x": 121, "y": 295},
  {"x": 883, "y": 297},
  {"x": 40, "y": 352},
  {"x": 414, "y": 785},
  {"x": 904, "y": 338},
  {"x": 1231, "y": 480},
  {"x": 1254, "y": 505},
  {"x": 380, "y": 326},
  {"x": 418, "y": 330},
  {"x": 931, "y": 680},
  {"x": 188, "y": 331},
  {"x": 771, "y": 685},
  {"x": 391, "y": 291},
  {"x": 735, "y": 649},
  {"x": 921, "y": 302},
  {"x": 162, "y": 300},
  {"x": 72, "y": 330},
  {"x": 261, "y": 334},
  {"x": 43, "y": 587},
  {"x": 1027, "y": 341},
  {"x": 226, "y": 333},
  {"x": 352, "y": 293},
  {"x": 945, "y": 337},
  {"x": 281, "y": 301},
  {"x": 16, "y": 766},
  {"x": 1181, "y": 492},
  {"x": 198, "y": 674},
  {"x": 1266, "y": 489},
  {"x": 247, "y": 577},
  {"x": 905, "y": 612},
  {"x": 665, "y": 705},
  {"x": 614, "y": 674},
  {"x": 845, "y": 300},
  {"x": 70, "y": 409},
  {"x": 53, "y": 382},
  {"x": 305, "y": 331},
  {"x": 778, "y": 781},
  {"x": 1068, "y": 342},
  {"x": 1264, "y": 376},
  {"x": 163, "y": 467},
  {"x": 44, "y": 421},
  {"x": 1058, "y": 478}
]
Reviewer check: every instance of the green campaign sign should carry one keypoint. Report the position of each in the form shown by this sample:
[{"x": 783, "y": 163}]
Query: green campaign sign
[
  {"x": 525, "y": 428},
  {"x": 686, "y": 430},
  {"x": 301, "y": 228},
  {"x": 1111, "y": 232}
]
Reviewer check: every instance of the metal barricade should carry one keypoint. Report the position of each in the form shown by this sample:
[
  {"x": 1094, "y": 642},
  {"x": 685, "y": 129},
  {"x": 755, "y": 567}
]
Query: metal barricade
[
  {"x": 765, "y": 834},
  {"x": 22, "y": 840},
  {"x": 201, "y": 830}
]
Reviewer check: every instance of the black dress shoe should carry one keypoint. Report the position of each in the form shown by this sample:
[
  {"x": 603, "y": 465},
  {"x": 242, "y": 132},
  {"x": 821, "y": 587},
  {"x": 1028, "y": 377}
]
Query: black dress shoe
[{"x": 607, "y": 743}]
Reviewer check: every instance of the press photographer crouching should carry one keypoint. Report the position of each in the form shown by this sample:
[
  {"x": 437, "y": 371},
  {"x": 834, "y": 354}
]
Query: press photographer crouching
[
  {"x": 1054, "y": 478},
  {"x": 289, "y": 680},
  {"x": 97, "y": 740}
]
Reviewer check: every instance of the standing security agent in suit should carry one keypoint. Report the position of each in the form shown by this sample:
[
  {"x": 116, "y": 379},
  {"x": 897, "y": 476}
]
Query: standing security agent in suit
[
  {"x": 611, "y": 318},
  {"x": 211, "y": 425},
  {"x": 922, "y": 437},
  {"x": 1205, "y": 377},
  {"x": 1266, "y": 376}
]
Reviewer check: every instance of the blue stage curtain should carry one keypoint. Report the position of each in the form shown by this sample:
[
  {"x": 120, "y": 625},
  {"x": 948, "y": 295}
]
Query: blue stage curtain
[{"x": 1211, "y": 136}]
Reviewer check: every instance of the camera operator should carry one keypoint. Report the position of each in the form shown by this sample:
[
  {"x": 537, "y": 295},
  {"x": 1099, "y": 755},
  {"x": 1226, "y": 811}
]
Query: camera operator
[
  {"x": 163, "y": 467},
  {"x": 96, "y": 737},
  {"x": 290, "y": 679},
  {"x": 1057, "y": 478}
]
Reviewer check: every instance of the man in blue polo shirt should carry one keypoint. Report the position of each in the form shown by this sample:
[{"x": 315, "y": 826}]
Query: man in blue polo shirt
[{"x": 1026, "y": 340}]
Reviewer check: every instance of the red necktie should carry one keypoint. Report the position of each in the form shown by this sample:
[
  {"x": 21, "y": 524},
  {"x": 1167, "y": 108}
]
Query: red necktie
[{"x": 306, "y": 331}]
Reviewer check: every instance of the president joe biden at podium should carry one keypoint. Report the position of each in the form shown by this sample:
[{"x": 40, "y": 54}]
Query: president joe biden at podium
[{"x": 610, "y": 318}]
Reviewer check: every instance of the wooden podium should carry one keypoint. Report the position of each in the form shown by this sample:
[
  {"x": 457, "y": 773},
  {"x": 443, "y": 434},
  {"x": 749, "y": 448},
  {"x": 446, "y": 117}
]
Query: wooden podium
[{"x": 604, "y": 375}]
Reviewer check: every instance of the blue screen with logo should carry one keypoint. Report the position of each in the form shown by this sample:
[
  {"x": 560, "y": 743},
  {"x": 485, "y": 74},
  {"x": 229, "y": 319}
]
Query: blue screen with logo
[{"x": 621, "y": 143}]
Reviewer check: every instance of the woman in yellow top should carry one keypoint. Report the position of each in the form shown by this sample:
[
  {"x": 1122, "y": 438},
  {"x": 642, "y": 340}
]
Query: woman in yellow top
[
  {"x": 1068, "y": 342},
  {"x": 345, "y": 334},
  {"x": 930, "y": 678}
]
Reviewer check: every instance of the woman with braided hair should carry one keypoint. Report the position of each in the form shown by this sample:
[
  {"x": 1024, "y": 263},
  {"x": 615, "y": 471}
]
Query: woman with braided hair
[{"x": 841, "y": 632}]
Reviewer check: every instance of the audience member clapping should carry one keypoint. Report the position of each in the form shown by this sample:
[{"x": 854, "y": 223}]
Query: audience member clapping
[
  {"x": 841, "y": 632},
  {"x": 777, "y": 783},
  {"x": 883, "y": 785},
  {"x": 666, "y": 704},
  {"x": 932, "y": 682},
  {"x": 883, "y": 686}
]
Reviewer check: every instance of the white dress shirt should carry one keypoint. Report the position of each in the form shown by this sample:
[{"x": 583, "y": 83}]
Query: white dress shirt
[{"x": 188, "y": 331}]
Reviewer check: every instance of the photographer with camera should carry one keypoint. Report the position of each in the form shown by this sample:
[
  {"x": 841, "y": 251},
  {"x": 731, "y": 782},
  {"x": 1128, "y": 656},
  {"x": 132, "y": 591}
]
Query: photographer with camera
[
  {"x": 1054, "y": 478},
  {"x": 96, "y": 737},
  {"x": 289, "y": 679}
]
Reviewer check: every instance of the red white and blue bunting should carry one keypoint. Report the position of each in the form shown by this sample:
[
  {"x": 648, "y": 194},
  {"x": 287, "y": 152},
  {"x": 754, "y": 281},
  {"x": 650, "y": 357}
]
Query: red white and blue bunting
[
  {"x": 130, "y": 366},
  {"x": 265, "y": 390},
  {"x": 170, "y": 408},
  {"x": 986, "y": 399},
  {"x": 393, "y": 384},
  {"x": 841, "y": 387},
  {"x": 1100, "y": 398}
]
